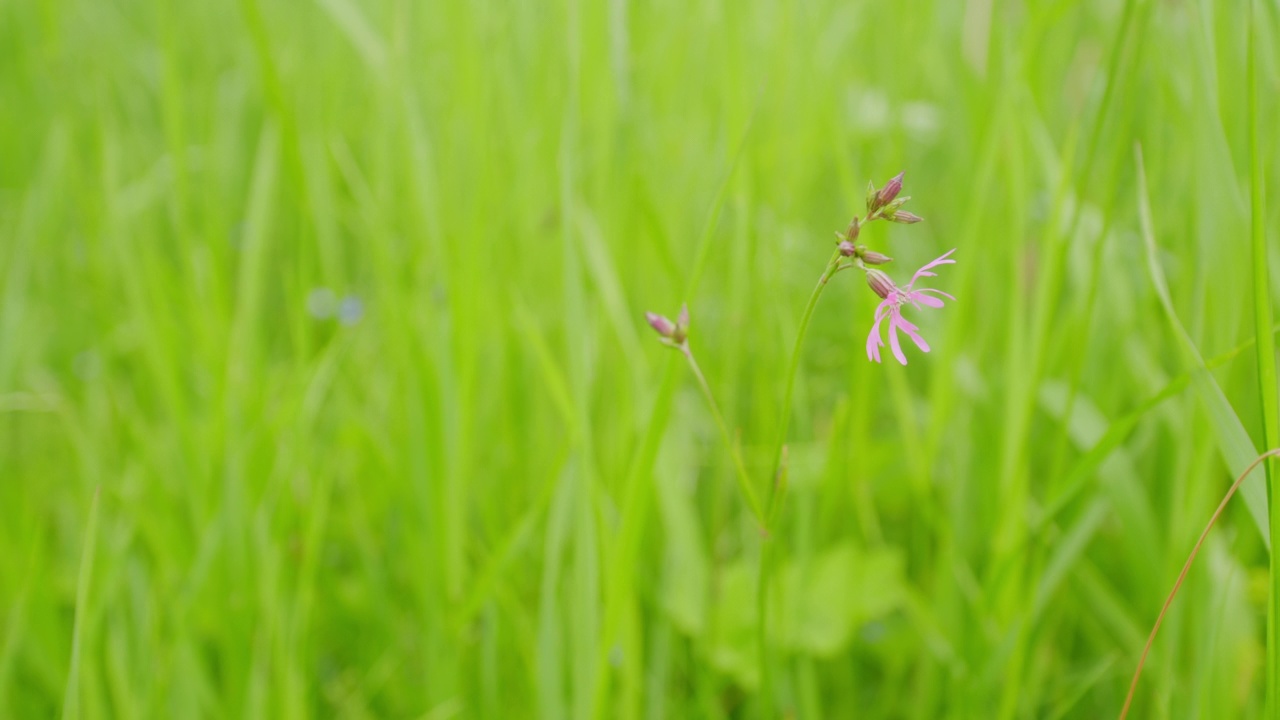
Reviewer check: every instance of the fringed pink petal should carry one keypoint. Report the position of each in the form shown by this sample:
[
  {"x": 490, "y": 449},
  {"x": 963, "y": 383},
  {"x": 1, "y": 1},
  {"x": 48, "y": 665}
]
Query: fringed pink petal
[
  {"x": 919, "y": 298},
  {"x": 904, "y": 323},
  {"x": 912, "y": 332},
  {"x": 936, "y": 292},
  {"x": 874, "y": 343},
  {"x": 893, "y": 338},
  {"x": 923, "y": 272}
]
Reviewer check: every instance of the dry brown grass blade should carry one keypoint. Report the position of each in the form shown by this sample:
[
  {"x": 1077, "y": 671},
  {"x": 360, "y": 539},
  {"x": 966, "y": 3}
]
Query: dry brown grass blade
[{"x": 1133, "y": 685}]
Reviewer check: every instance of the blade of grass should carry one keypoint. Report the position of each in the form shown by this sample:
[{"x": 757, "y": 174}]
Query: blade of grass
[
  {"x": 621, "y": 614},
  {"x": 1083, "y": 470},
  {"x": 1101, "y": 669},
  {"x": 584, "y": 598},
  {"x": 604, "y": 276},
  {"x": 1233, "y": 441},
  {"x": 549, "y": 667},
  {"x": 1267, "y": 386},
  {"x": 744, "y": 481},
  {"x": 1191, "y": 558},
  {"x": 71, "y": 695}
]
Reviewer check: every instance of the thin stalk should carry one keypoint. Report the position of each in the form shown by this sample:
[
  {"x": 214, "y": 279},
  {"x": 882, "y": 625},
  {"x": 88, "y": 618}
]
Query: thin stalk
[
  {"x": 833, "y": 266},
  {"x": 1267, "y": 383},
  {"x": 1186, "y": 567},
  {"x": 767, "y": 559},
  {"x": 775, "y": 480},
  {"x": 744, "y": 481}
]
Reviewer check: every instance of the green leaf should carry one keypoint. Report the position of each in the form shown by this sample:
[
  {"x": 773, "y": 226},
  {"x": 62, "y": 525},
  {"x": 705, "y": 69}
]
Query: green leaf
[{"x": 827, "y": 600}]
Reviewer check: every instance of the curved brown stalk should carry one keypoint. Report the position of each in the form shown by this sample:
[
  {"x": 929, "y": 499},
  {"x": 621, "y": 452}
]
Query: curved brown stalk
[{"x": 1133, "y": 686}]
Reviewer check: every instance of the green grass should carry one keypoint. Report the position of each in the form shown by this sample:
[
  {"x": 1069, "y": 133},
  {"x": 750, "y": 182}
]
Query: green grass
[{"x": 490, "y": 492}]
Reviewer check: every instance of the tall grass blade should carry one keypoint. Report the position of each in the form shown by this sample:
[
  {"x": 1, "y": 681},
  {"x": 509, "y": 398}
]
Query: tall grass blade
[
  {"x": 1233, "y": 440},
  {"x": 1182, "y": 576},
  {"x": 71, "y": 695},
  {"x": 1269, "y": 393}
]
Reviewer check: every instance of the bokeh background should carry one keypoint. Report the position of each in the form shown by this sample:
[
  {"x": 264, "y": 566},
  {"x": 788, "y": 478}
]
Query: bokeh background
[{"x": 335, "y": 307}]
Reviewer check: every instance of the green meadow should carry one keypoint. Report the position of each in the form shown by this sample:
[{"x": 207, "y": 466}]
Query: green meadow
[{"x": 326, "y": 388}]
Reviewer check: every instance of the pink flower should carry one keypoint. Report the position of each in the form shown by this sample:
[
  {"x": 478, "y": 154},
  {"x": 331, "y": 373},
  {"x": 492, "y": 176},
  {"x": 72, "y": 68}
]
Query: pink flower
[{"x": 891, "y": 307}]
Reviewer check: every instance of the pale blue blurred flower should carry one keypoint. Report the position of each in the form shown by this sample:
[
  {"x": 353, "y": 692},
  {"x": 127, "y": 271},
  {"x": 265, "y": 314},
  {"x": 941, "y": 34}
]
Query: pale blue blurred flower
[{"x": 350, "y": 310}]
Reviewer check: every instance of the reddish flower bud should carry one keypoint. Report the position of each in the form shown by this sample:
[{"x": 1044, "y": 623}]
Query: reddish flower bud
[
  {"x": 673, "y": 333},
  {"x": 851, "y": 233},
  {"x": 663, "y": 326},
  {"x": 880, "y": 283},
  {"x": 890, "y": 190},
  {"x": 847, "y": 248},
  {"x": 871, "y": 257},
  {"x": 904, "y": 217}
]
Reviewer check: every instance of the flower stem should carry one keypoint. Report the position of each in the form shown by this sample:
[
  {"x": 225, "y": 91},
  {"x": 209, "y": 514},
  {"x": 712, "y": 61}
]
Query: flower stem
[
  {"x": 744, "y": 481},
  {"x": 833, "y": 266},
  {"x": 767, "y": 558}
]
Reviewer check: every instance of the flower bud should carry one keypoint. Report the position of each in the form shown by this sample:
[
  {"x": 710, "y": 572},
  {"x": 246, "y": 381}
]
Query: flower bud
[
  {"x": 682, "y": 324},
  {"x": 904, "y": 217},
  {"x": 889, "y": 209},
  {"x": 871, "y": 257},
  {"x": 851, "y": 234},
  {"x": 871, "y": 197},
  {"x": 663, "y": 326},
  {"x": 847, "y": 248},
  {"x": 880, "y": 283},
  {"x": 890, "y": 190}
]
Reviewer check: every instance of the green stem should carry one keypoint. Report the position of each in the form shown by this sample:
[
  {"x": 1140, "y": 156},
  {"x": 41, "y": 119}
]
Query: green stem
[
  {"x": 1267, "y": 381},
  {"x": 762, "y": 639},
  {"x": 766, "y": 548},
  {"x": 744, "y": 481},
  {"x": 833, "y": 266}
]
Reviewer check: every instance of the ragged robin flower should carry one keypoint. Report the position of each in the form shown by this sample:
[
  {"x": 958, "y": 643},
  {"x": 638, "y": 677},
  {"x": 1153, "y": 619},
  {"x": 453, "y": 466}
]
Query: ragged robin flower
[{"x": 893, "y": 299}]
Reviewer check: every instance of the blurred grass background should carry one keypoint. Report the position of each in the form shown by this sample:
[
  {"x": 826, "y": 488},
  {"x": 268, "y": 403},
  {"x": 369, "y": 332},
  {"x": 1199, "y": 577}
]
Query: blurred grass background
[{"x": 339, "y": 305}]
